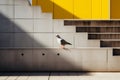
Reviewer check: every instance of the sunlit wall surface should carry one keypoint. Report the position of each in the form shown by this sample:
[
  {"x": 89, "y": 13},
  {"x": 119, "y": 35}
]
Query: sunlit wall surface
[{"x": 26, "y": 26}]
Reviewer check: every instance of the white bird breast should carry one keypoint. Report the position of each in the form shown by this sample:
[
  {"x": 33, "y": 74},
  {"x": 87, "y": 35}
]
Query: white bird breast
[{"x": 59, "y": 41}]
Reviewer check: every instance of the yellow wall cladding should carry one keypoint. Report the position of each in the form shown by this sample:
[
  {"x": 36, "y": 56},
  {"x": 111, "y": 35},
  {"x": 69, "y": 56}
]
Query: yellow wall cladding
[
  {"x": 63, "y": 9},
  {"x": 34, "y": 2},
  {"x": 46, "y": 5},
  {"x": 82, "y": 9},
  {"x": 105, "y": 9},
  {"x": 75, "y": 9},
  {"x": 96, "y": 9},
  {"x": 115, "y": 9}
]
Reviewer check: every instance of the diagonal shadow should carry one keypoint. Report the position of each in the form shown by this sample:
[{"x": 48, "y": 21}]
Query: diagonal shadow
[
  {"x": 28, "y": 62},
  {"x": 58, "y": 11}
]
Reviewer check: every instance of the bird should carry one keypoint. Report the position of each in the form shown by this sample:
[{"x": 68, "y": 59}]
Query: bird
[{"x": 62, "y": 42}]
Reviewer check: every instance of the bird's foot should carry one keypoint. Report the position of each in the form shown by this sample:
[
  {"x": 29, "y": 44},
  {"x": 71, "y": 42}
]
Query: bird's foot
[{"x": 62, "y": 47}]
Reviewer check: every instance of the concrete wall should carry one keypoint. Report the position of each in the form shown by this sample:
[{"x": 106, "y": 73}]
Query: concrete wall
[
  {"x": 22, "y": 25},
  {"x": 24, "y": 28},
  {"x": 86, "y": 59},
  {"x": 53, "y": 59}
]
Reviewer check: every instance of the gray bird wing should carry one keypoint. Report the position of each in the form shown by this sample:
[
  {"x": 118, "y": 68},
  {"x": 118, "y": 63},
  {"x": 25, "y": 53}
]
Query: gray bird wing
[{"x": 63, "y": 42}]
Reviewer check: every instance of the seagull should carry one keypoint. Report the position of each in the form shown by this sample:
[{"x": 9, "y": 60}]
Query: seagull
[{"x": 62, "y": 42}]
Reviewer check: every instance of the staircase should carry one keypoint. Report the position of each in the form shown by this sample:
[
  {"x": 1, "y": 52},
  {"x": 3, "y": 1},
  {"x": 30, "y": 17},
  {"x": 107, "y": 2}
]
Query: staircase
[
  {"x": 31, "y": 44},
  {"x": 108, "y": 32},
  {"x": 103, "y": 35}
]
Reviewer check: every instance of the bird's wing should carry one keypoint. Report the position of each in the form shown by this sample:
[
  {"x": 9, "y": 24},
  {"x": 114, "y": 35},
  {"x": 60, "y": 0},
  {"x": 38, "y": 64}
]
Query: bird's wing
[{"x": 63, "y": 42}]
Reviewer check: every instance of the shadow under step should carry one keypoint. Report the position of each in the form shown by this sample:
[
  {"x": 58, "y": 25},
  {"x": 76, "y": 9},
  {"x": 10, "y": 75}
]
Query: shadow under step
[
  {"x": 93, "y": 23},
  {"x": 109, "y": 43},
  {"x": 104, "y": 36},
  {"x": 98, "y": 29},
  {"x": 116, "y": 52}
]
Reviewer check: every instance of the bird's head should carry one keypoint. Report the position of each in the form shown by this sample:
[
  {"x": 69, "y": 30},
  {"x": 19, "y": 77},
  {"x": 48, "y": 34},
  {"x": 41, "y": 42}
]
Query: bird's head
[{"x": 58, "y": 36}]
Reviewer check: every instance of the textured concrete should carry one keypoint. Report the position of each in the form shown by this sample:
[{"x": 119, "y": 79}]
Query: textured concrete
[
  {"x": 94, "y": 60},
  {"x": 43, "y": 40},
  {"x": 23, "y": 40},
  {"x": 6, "y": 26},
  {"x": 41, "y": 26},
  {"x": 6, "y": 11},
  {"x": 85, "y": 76},
  {"x": 87, "y": 43},
  {"x": 61, "y": 76},
  {"x": 39, "y": 15},
  {"x": 81, "y": 40},
  {"x": 113, "y": 62},
  {"x": 7, "y": 62},
  {"x": 9, "y": 2},
  {"x": 6, "y": 39},
  {"x": 23, "y": 12},
  {"x": 59, "y": 27},
  {"x": 81, "y": 59},
  {"x": 24, "y": 25},
  {"x": 24, "y": 60},
  {"x": 21, "y": 3},
  {"x": 40, "y": 60}
]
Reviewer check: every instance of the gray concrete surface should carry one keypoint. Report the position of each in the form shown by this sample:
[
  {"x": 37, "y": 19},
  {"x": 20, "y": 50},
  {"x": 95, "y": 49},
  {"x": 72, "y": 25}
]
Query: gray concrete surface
[
  {"x": 60, "y": 76},
  {"x": 95, "y": 59}
]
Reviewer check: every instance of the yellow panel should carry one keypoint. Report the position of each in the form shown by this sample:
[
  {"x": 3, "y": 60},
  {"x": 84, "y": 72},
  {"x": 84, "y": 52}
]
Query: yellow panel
[
  {"x": 46, "y": 5},
  {"x": 82, "y": 9},
  {"x": 63, "y": 9},
  {"x": 96, "y": 9},
  {"x": 105, "y": 9},
  {"x": 34, "y": 2},
  {"x": 115, "y": 9}
]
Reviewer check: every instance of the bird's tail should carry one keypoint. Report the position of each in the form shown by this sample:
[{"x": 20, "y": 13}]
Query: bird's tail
[{"x": 69, "y": 43}]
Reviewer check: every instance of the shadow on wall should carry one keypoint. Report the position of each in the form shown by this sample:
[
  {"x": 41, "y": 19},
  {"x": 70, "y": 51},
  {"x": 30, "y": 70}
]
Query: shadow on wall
[
  {"x": 58, "y": 11},
  {"x": 52, "y": 61},
  {"x": 44, "y": 74}
]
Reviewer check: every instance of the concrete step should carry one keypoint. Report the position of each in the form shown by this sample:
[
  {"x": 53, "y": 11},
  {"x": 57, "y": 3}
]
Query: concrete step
[{"x": 113, "y": 61}]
